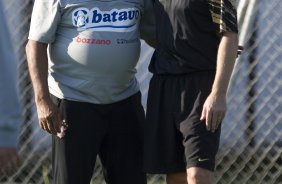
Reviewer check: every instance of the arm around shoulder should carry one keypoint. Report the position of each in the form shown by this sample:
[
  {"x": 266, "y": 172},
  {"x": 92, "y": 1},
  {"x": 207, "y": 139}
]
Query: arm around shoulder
[{"x": 148, "y": 24}]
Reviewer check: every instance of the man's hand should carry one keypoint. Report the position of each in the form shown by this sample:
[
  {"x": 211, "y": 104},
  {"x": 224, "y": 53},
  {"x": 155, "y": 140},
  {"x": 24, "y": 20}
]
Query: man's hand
[
  {"x": 49, "y": 116},
  {"x": 214, "y": 108},
  {"x": 9, "y": 161},
  {"x": 214, "y": 111}
]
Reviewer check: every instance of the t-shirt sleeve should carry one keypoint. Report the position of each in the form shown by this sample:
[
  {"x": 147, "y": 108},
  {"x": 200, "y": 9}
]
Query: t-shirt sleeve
[
  {"x": 147, "y": 25},
  {"x": 44, "y": 20},
  {"x": 224, "y": 15}
]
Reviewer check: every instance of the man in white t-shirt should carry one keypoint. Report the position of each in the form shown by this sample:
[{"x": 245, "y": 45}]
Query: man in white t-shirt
[{"x": 82, "y": 56}]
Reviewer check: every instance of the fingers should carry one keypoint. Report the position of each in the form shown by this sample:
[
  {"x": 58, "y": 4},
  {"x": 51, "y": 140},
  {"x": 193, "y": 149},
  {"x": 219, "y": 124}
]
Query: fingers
[
  {"x": 220, "y": 119},
  {"x": 207, "y": 117},
  {"x": 51, "y": 124},
  {"x": 216, "y": 121},
  {"x": 44, "y": 124},
  {"x": 55, "y": 124},
  {"x": 49, "y": 116},
  {"x": 209, "y": 120},
  {"x": 212, "y": 118},
  {"x": 213, "y": 111}
]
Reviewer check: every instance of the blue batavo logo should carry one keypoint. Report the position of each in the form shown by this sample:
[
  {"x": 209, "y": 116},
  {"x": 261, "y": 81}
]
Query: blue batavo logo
[{"x": 122, "y": 20}]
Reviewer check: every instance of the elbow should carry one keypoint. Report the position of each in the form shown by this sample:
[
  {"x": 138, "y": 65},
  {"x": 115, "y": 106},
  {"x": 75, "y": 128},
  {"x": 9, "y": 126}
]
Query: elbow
[
  {"x": 27, "y": 48},
  {"x": 27, "y": 51}
]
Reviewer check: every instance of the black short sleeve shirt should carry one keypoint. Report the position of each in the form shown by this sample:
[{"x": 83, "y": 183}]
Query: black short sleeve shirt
[{"x": 189, "y": 32}]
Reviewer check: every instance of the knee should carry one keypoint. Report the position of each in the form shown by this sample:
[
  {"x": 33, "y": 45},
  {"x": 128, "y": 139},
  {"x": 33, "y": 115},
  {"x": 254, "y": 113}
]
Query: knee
[
  {"x": 199, "y": 176},
  {"x": 195, "y": 177},
  {"x": 176, "y": 178}
]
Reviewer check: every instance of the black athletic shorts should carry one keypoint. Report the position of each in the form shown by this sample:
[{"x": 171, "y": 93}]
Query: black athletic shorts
[
  {"x": 175, "y": 137},
  {"x": 112, "y": 131}
]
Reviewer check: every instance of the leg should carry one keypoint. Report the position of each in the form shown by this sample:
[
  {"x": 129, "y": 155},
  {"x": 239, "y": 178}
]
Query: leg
[
  {"x": 200, "y": 145},
  {"x": 163, "y": 149},
  {"x": 176, "y": 178},
  {"x": 121, "y": 153},
  {"x": 198, "y": 175},
  {"x": 74, "y": 155}
]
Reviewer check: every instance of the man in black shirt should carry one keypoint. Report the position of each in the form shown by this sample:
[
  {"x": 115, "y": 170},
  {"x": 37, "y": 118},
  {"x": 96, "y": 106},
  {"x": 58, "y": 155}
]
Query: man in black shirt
[{"x": 192, "y": 64}]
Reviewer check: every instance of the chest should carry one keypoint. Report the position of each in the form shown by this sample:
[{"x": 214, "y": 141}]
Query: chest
[
  {"x": 88, "y": 13},
  {"x": 185, "y": 7}
]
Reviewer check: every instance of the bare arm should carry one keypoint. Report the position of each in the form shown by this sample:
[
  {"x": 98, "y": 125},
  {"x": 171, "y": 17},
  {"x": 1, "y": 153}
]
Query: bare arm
[
  {"x": 215, "y": 105},
  {"x": 38, "y": 68},
  {"x": 48, "y": 113}
]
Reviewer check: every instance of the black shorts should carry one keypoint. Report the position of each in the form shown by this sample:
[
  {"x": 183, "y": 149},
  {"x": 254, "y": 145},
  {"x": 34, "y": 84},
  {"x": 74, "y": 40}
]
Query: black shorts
[
  {"x": 112, "y": 131},
  {"x": 175, "y": 138}
]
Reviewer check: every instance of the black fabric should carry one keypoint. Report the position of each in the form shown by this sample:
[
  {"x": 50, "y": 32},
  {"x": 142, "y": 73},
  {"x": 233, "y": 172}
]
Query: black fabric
[
  {"x": 187, "y": 37},
  {"x": 224, "y": 14},
  {"x": 175, "y": 138},
  {"x": 112, "y": 131}
]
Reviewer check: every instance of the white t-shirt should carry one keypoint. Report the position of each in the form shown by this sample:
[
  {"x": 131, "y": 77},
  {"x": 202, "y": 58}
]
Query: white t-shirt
[{"x": 94, "y": 46}]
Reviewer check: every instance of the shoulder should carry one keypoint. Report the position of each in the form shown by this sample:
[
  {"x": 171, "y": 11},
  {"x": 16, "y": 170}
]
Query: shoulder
[
  {"x": 234, "y": 2},
  {"x": 224, "y": 14},
  {"x": 223, "y": 4}
]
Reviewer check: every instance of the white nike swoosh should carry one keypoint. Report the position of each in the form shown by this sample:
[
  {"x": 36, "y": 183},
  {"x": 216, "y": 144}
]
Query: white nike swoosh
[{"x": 203, "y": 159}]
